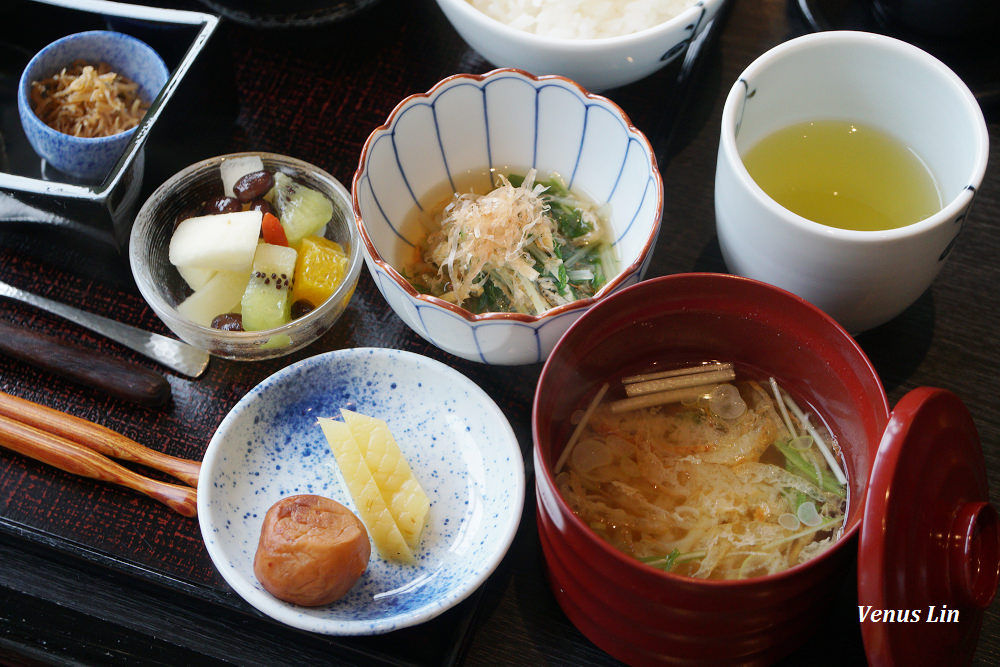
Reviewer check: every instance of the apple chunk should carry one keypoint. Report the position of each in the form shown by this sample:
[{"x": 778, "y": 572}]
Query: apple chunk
[
  {"x": 195, "y": 277},
  {"x": 223, "y": 241},
  {"x": 221, "y": 294}
]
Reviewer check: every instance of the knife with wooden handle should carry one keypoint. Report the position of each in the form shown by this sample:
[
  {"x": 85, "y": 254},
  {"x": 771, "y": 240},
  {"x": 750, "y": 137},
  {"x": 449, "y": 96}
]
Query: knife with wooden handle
[
  {"x": 118, "y": 378},
  {"x": 172, "y": 353}
]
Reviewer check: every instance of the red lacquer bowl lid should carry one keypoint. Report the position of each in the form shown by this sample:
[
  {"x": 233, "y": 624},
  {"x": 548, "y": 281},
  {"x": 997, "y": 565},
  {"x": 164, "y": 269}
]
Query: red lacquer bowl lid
[{"x": 929, "y": 551}]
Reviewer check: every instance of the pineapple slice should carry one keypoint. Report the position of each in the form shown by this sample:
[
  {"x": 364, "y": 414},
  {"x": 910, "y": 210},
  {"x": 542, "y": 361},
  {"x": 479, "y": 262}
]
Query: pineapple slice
[
  {"x": 367, "y": 497},
  {"x": 400, "y": 489}
]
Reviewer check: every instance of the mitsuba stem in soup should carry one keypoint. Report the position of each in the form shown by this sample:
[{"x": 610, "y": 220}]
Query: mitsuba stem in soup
[
  {"x": 705, "y": 475},
  {"x": 527, "y": 246}
]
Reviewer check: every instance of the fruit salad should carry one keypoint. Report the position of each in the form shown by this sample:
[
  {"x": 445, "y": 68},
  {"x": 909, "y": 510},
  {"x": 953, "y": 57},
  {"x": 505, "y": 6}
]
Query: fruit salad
[{"x": 255, "y": 257}]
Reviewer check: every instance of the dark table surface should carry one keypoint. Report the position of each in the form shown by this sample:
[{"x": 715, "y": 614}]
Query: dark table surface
[{"x": 95, "y": 574}]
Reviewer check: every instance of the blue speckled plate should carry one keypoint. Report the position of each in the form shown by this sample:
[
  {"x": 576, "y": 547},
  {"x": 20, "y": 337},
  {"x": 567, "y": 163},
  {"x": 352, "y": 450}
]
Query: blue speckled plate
[{"x": 456, "y": 439}]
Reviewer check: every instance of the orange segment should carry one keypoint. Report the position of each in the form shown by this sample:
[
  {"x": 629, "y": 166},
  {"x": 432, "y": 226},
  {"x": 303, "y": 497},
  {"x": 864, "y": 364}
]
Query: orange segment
[{"x": 319, "y": 271}]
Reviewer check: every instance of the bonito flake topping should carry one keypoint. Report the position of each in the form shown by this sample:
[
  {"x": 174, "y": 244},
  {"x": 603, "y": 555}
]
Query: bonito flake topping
[{"x": 480, "y": 233}]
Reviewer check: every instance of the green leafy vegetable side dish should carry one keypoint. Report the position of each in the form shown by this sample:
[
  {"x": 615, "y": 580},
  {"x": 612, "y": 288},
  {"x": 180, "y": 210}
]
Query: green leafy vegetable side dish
[{"x": 527, "y": 246}]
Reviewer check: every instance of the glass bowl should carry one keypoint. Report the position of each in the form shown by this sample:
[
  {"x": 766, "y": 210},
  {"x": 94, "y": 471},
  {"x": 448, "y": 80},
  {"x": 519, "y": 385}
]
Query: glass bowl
[{"x": 164, "y": 288}]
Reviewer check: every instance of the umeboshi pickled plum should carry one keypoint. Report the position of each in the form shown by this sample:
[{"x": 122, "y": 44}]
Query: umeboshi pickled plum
[{"x": 312, "y": 550}]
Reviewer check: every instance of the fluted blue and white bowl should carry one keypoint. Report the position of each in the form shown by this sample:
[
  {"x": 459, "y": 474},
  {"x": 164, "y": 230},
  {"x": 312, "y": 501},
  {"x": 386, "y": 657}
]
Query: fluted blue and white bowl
[
  {"x": 88, "y": 158},
  {"x": 504, "y": 119},
  {"x": 458, "y": 443}
]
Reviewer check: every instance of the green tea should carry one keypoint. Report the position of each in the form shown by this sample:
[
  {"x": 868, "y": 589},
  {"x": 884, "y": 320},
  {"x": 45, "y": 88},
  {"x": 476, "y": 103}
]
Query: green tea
[{"x": 844, "y": 175}]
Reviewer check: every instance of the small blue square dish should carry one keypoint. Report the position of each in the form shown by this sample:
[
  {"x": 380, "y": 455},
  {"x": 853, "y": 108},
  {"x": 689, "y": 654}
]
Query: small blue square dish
[{"x": 88, "y": 158}]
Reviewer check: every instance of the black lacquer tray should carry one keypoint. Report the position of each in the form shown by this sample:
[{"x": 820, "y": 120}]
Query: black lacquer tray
[
  {"x": 95, "y": 574},
  {"x": 73, "y": 550}
]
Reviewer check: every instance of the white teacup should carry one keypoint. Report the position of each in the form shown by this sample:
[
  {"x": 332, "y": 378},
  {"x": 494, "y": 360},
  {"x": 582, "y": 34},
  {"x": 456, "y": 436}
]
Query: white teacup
[{"x": 861, "y": 278}]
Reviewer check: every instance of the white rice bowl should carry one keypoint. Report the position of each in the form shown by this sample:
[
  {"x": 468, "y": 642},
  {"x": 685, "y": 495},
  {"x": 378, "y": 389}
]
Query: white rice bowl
[{"x": 582, "y": 19}]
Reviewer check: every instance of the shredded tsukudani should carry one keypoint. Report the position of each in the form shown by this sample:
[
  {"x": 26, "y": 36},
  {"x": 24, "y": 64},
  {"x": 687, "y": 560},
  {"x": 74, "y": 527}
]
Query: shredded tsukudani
[{"x": 87, "y": 101}]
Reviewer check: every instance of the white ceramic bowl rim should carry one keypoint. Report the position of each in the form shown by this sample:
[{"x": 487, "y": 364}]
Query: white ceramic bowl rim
[
  {"x": 356, "y": 257},
  {"x": 570, "y": 45},
  {"x": 851, "y": 37},
  {"x": 611, "y": 285},
  {"x": 24, "y": 84},
  {"x": 543, "y": 471}
]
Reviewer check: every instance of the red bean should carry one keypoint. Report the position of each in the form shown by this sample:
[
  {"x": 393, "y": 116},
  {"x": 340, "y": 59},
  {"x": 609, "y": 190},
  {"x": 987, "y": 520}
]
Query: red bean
[
  {"x": 253, "y": 185},
  {"x": 263, "y": 206},
  {"x": 228, "y": 322},
  {"x": 301, "y": 307},
  {"x": 223, "y": 205}
]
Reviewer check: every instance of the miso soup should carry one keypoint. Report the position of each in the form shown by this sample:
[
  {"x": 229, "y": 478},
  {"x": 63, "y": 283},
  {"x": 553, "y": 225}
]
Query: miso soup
[{"x": 704, "y": 474}]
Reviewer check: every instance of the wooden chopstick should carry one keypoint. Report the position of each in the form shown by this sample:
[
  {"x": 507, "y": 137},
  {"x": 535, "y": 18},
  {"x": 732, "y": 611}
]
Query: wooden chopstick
[
  {"x": 96, "y": 437},
  {"x": 74, "y": 458}
]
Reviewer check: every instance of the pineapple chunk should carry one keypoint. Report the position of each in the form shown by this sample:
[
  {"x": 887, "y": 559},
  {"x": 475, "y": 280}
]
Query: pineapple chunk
[
  {"x": 367, "y": 497},
  {"x": 400, "y": 489}
]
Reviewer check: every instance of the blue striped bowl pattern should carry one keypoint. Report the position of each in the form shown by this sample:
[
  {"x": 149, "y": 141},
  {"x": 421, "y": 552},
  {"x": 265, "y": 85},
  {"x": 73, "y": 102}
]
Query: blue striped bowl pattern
[
  {"x": 505, "y": 119},
  {"x": 88, "y": 158},
  {"x": 457, "y": 441}
]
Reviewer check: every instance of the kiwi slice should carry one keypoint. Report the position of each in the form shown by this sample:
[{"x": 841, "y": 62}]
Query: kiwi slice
[
  {"x": 266, "y": 302},
  {"x": 302, "y": 210}
]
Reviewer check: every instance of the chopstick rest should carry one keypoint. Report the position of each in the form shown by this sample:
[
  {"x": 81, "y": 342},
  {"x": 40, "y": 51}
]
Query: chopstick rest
[
  {"x": 129, "y": 382},
  {"x": 77, "y": 459},
  {"x": 96, "y": 437}
]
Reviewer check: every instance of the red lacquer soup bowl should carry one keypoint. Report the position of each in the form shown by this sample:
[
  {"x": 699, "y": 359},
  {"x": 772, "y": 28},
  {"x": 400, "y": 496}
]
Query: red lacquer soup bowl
[{"x": 641, "y": 614}]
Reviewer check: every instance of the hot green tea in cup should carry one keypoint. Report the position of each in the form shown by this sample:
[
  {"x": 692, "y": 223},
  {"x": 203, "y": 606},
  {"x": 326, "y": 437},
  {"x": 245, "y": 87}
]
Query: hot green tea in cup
[
  {"x": 914, "y": 189},
  {"x": 844, "y": 174}
]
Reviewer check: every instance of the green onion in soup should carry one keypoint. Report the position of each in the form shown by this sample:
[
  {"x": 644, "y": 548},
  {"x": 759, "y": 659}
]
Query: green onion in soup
[{"x": 527, "y": 246}]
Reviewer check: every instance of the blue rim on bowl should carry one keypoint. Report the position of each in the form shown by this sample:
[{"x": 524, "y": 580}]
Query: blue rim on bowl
[{"x": 457, "y": 441}]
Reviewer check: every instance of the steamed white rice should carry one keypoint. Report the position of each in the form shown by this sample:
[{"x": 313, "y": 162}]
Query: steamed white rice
[{"x": 581, "y": 19}]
